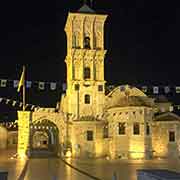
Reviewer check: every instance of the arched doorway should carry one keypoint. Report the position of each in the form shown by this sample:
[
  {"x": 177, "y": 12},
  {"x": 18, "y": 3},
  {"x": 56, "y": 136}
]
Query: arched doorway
[{"x": 44, "y": 139}]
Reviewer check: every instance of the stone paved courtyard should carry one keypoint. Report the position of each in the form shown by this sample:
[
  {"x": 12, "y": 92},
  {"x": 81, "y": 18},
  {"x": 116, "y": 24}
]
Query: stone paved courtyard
[{"x": 55, "y": 169}]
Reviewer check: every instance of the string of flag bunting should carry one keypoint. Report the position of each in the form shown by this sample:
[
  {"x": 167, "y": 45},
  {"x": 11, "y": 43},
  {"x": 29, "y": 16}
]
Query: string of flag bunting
[
  {"x": 31, "y": 107},
  {"x": 41, "y": 85},
  {"x": 17, "y": 104},
  {"x": 14, "y": 126},
  {"x": 152, "y": 89},
  {"x": 162, "y": 89}
]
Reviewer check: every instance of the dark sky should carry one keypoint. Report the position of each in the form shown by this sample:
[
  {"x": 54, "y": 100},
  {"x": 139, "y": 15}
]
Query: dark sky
[{"x": 142, "y": 38}]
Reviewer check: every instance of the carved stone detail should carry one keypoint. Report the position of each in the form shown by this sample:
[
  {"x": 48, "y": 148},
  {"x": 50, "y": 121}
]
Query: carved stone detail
[{"x": 87, "y": 27}]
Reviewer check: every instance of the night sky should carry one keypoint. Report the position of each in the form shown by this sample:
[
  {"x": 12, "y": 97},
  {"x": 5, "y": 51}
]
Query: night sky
[{"x": 142, "y": 38}]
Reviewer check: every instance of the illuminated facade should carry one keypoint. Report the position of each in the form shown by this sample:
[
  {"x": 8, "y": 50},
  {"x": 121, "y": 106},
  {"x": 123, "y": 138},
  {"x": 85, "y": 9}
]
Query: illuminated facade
[{"x": 89, "y": 123}]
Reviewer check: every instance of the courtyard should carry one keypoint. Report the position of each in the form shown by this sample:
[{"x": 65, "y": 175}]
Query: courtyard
[{"x": 56, "y": 169}]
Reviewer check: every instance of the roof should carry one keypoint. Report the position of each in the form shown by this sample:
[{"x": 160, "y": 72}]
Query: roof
[
  {"x": 126, "y": 95},
  {"x": 86, "y": 9},
  {"x": 161, "y": 99},
  {"x": 168, "y": 116}
]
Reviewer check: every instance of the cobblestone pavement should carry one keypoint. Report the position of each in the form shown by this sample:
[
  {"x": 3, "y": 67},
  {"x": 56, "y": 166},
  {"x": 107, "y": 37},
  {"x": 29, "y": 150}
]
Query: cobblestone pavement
[{"x": 55, "y": 169}]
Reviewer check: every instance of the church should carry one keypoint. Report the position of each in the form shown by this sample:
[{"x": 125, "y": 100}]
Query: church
[{"x": 90, "y": 123}]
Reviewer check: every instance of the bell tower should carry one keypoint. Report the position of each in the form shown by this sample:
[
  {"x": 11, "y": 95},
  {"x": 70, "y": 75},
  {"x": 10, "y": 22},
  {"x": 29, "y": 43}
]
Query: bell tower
[{"x": 85, "y": 92}]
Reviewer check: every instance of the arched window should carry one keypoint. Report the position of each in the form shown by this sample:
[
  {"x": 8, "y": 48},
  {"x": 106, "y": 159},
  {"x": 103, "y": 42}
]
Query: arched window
[
  {"x": 87, "y": 99},
  {"x": 74, "y": 41},
  {"x": 122, "y": 128},
  {"x": 136, "y": 128},
  {"x": 89, "y": 135},
  {"x": 87, "y": 42},
  {"x": 73, "y": 71},
  {"x": 105, "y": 132},
  {"x": 87, "y": 73}
]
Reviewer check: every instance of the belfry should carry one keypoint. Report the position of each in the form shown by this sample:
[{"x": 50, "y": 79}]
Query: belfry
[{"x": 85, "y": 62}]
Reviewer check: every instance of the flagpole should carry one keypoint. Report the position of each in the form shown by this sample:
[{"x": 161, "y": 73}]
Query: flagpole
[{"x": 24, "y": 89}]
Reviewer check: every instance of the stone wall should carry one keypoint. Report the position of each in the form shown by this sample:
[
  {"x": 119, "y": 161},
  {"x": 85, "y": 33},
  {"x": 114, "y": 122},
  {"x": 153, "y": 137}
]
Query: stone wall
[
  {"x": 12, "y": 139},
  {"x": 129, "y": 145},
  {"x": 160, "y": 139},
  {"x": 81, "y": 147}
]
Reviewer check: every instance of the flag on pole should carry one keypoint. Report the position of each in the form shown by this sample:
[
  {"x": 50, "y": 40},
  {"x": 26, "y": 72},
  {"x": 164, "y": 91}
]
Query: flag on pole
[{"x": 21, "y": 82}]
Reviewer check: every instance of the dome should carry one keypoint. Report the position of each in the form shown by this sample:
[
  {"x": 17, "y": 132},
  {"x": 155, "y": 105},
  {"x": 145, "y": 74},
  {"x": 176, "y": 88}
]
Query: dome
[{"x": 126, "y": 95}]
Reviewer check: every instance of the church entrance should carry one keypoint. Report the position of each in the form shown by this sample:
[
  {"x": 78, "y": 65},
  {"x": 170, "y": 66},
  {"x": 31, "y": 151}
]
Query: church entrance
[
  {"x": 44, "y": 140},
  {"x": 40, "y": 140}
]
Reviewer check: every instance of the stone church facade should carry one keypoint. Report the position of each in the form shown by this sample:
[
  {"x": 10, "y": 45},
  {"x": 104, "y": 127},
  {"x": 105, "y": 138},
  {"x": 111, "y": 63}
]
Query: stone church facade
[{"x": 90, "y": 123}]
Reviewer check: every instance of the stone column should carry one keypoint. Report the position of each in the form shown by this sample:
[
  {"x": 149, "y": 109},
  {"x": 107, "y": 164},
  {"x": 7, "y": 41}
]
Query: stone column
[{"x": 24, "y": 118}]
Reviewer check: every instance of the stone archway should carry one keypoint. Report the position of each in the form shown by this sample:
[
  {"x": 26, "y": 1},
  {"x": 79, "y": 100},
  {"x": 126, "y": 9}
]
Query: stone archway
[{"x": 44, "y": 138}]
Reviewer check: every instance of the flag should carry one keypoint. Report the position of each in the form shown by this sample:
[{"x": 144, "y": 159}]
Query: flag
[
  {"x": 145, "y": 89},
  {"x": 177, "y": 89},
  {"x": 32, "y": 107},
  {"x": 7, "y": 101},
  {"x": 14, "y": 103},
  {"x": 21, "y": 82},
  {"x": 52, "y": 85},
  {"x": 28, "y": 84},
  {"x": 15, "y": 83},
  {"x": 166, "y": 89},
  {"x": 171, "y": 108},
  {"x": 156, "y": 90},
  {"x": 41, "y": 85},
  {"x": 3, "y": 82},
  {"x": 20, "y": 104},
  {"x": 178, "y": 107}
]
